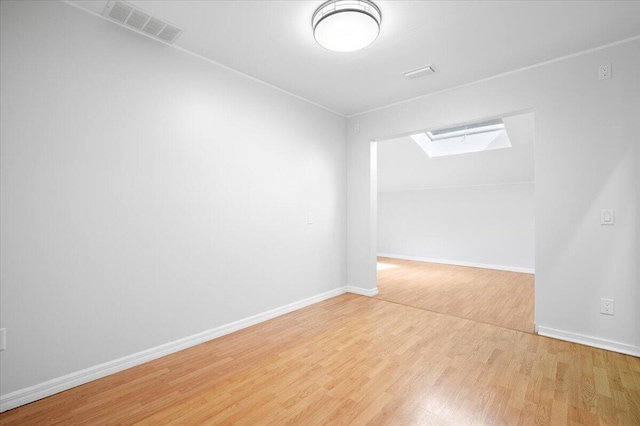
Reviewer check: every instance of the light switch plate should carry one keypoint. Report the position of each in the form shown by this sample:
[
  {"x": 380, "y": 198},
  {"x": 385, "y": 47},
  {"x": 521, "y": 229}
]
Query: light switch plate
[
  {"x": 607, "y": 217},
  {"x": 3, "y": 339}
]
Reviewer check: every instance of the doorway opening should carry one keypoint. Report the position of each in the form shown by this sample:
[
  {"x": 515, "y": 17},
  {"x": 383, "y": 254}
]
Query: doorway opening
[{"x": 455, "y": 220}]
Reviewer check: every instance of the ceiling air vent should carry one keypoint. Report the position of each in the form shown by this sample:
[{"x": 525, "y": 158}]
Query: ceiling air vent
[
  {"x": 137, "y": 19},
  {"x": 141, "y": 21},
  {"x": 119, "y": 11},
  {"x": 422, "y": 71},
  {"x": 153, "y": 26}
]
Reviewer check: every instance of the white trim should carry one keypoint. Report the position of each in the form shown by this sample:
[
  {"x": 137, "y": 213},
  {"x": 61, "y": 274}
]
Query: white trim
[
  {"x": 461, "y": 263},
  {"x": 595, "y": 342},
  {"x": 362, "y": 291},
  {"x": 50, "y": 387},
  {"x": 211, "y": 61},
  {"x": 493, "y": 77},
  {"x": 480, "y": 185}
]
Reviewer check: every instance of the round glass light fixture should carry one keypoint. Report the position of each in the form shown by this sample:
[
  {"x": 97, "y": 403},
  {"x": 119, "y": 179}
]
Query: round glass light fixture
[{"x": 346, "y": 25}]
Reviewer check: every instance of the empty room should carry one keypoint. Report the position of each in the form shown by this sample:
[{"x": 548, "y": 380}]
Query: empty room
[
  {"x": 456, "y": 220},
  {"x": 319, "y": 212}
]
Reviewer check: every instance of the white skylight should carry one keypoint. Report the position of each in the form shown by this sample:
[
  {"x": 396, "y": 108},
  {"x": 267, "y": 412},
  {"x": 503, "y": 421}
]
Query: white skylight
[{"x": 475, "y": 137}]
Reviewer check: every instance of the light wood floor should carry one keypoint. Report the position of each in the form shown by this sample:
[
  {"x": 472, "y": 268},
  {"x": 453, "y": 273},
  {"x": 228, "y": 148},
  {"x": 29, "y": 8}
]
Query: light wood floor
[
  {"x": 359, "y": 360},
  {"x": 494, "y": 297}
]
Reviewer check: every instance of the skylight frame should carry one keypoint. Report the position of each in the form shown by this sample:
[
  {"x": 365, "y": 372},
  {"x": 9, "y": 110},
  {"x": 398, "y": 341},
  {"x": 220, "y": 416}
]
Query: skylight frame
[
  {"x": 468, "y": 138},
  {"x": 466, "y": 129}
]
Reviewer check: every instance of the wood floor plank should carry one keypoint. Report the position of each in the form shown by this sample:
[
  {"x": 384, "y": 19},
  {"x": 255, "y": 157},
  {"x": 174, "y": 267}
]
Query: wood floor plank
[
  {"x": 360, "y": 360},
  {"x": 494, "y": 297}
]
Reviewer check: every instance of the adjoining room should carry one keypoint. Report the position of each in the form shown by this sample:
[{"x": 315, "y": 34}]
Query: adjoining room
[{"x": 456, "y": 220}]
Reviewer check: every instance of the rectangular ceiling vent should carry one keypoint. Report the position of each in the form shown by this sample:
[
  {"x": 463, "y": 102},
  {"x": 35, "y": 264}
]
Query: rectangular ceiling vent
[
  {"x": 420, "y": 72},
  {"x": 141, "y": 21}
]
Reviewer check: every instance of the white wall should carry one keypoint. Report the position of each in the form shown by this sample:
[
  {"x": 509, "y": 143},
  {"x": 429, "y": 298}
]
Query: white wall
[
  {"x": 488, "y": 226},
  {"x": 148, "y": 195},
  {"x": 586, "y": 159}
]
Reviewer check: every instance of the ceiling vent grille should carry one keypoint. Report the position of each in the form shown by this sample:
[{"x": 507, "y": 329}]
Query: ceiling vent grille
[
  {"x": 137, "y": 19},
  {"x": 141, "y": 21},
  {"x": 420, "y": 72}
]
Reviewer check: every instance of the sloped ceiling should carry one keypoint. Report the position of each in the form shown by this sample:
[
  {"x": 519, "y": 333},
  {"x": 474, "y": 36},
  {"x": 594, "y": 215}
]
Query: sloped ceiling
[{"x": 403, "y": 165}]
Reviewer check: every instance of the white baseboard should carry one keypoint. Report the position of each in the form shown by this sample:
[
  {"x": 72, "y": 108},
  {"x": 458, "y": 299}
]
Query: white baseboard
[
  {"x": 460, "y": 263},
  {"x": 362, "y": 291},
  {"x": 51, "y": 387},
  {"x": 595, "y": 342}
]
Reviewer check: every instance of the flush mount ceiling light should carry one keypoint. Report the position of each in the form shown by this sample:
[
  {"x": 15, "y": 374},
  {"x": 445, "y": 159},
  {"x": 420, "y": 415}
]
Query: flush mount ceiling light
[{"x": 346, "y": 25}]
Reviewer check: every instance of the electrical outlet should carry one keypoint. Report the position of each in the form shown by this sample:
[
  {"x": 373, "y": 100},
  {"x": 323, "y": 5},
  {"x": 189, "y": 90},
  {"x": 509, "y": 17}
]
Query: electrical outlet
[
  {"x": 607, "y": 217},
  {"x": 606, "y": 306},
  {"x": 3, "y": 339},
  {"x": 604, "y": 71}
]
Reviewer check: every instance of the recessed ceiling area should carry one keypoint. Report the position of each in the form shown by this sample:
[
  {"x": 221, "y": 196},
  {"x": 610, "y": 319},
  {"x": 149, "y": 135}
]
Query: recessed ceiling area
[
  {"x": 404, "y": 165},
  {"x": 468, "y": 41},
  {"x": 474, "y": 137}
]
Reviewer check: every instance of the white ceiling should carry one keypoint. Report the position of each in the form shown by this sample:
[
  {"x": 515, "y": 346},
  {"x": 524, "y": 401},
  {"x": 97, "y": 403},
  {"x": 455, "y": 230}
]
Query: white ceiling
[
  {"x": 402, "y": 164},
  {"x": 466, "y": 40}
]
